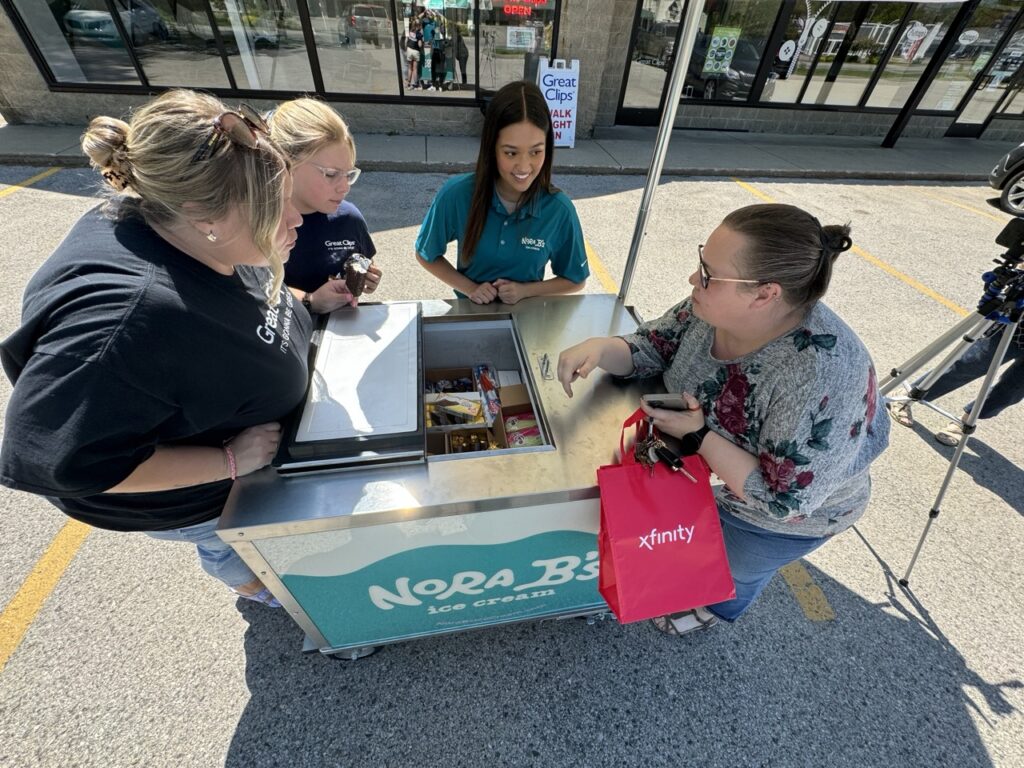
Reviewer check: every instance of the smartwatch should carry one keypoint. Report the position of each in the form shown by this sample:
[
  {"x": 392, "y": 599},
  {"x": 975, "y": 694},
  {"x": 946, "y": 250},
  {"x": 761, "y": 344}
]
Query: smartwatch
[
  {"x": 307, "y": 302},
  {"x": 690, "y": 442}
]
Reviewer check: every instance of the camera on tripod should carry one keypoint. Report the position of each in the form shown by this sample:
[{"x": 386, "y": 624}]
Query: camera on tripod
[{"x": 999, "y": 311}]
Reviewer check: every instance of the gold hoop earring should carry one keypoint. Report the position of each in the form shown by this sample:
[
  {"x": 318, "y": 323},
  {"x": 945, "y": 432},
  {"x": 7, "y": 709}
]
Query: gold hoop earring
[{"x": 211, "y": 237}]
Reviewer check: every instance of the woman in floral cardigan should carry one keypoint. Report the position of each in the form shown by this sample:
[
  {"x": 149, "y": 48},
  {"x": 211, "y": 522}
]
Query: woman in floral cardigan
[{"x": 782, "y": 395}]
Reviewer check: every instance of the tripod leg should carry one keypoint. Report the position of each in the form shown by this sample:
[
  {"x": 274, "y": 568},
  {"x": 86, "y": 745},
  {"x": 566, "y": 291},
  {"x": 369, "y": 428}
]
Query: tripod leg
[
  {"x": 968, "y": 429},
  {"x": 965, "y": 327},
  {"x": 921, "y": 387}
]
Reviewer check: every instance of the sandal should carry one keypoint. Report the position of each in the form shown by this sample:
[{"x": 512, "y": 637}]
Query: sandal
[
  {"x": 263, "y": 596},
  {"x": 900, "y": 413},
  {"x": 685, "y": 622}
]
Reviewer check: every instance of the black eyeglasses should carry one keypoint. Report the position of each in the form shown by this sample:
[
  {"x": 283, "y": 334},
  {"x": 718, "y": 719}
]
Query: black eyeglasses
[
  {"x": 706, "y": 278},
  {"x": 242, "y": 127}
]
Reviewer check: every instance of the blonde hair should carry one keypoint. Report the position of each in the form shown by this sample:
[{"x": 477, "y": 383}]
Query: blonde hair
[
  {"x": 148, "y": 162},
  {"x": 302, "y": 127}
]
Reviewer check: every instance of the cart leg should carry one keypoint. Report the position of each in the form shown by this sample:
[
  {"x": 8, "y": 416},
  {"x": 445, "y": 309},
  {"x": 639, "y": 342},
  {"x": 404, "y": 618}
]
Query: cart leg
[{"x": 352, "y": 654}]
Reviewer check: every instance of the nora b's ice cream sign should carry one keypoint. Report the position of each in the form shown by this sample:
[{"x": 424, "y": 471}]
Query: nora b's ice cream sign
[
  {"x": 474, "y": 586},
  {"x": 442, "y": 587}
]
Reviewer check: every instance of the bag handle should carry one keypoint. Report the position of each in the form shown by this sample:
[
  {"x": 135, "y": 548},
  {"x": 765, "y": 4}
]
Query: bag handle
[{"x": 638, "y": 417}]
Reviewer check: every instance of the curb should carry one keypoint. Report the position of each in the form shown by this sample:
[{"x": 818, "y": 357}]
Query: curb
[{"x": 391, "y": 166}]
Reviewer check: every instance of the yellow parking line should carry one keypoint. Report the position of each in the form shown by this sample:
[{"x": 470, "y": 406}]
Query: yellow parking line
[
  {"x": 887, "y": 268},
  {"x": 28, "y": 182},
  {"x": 972, "y": 209},
  {"x": 24, "y": 606},
  {"x": 755, "y": 192},
  {"x": 600, "y": 271},
  {"x": 812, "y": 600},
  {"x": 918, "y": 286}
]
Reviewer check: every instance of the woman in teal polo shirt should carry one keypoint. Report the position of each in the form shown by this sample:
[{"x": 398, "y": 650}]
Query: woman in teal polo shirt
[{"x": 508, "y": 219}]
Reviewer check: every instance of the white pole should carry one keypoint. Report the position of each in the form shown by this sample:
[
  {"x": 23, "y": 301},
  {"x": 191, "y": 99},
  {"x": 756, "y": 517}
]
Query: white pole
[{"x": 694, "y": 9}]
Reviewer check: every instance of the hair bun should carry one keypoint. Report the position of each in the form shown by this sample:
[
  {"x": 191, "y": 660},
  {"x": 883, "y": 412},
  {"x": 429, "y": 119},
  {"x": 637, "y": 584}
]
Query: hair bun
[
  {"x": 105, "y": 143},
  {"x": 835, "y": 239}
]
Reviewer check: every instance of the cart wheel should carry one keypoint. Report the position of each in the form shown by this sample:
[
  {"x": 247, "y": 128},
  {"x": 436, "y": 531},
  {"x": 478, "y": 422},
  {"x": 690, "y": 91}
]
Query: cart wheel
[{"x": 354, "y": 653}]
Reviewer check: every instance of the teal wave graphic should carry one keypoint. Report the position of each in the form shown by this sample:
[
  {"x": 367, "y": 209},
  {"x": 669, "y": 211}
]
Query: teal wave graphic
[{"x": 411, "y": 593}]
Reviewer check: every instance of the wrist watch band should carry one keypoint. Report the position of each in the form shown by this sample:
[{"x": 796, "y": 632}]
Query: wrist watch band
[
  {"x": 690, "y": 442},
  {"x": 307, "y": 302}
]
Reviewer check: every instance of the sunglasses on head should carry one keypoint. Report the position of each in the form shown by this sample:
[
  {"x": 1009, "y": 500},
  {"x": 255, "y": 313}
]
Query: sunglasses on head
[{"x": 242, "y": 127}]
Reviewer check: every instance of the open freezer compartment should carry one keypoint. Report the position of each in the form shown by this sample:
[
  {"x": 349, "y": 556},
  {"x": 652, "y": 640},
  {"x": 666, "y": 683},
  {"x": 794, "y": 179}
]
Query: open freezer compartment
[{"x": 479, "y": 398}]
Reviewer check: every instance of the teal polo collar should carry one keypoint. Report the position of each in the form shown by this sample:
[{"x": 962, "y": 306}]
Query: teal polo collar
[{"x": 520, "y": 213}]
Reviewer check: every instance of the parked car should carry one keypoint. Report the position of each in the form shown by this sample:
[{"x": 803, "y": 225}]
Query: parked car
[
  {"x": 265, "y": 32},
  {"x": 91, "y": 20},
  {"x": 656, "y": 45},
  {"x": 1008, "y": 178},
  {"x": 734, "y": 83},
  {"x": 365, "y": 22}
]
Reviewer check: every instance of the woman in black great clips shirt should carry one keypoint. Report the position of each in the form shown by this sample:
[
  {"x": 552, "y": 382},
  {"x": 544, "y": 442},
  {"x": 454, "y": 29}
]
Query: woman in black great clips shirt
[{"x": 157, "y": 348}]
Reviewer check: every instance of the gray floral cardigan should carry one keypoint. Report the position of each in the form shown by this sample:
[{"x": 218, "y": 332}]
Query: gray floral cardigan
[{"x": 806, "y": 405}]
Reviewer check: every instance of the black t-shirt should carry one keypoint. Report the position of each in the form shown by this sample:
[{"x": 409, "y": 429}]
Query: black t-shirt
[
  {"x": 324, "y": 245},
  {"x": 127, "y": 343}
]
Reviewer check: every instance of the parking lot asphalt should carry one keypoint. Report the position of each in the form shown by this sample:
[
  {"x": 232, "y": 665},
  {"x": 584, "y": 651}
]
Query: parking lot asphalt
[{"x": 137, "y": 658}]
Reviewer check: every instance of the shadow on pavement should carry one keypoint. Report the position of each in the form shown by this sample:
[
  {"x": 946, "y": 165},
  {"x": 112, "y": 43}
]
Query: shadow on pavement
[
  {"x": 880, "y": 686},
  {"x": 985, "y": 466},
  {"x": 78, "y": 182}
]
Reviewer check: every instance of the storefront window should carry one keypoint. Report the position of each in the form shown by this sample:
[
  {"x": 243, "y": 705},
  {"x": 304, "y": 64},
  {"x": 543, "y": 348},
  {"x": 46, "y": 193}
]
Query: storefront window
[
  {"x": 727, "y": 52},
  {"x": 442, "y": 59},
  {"x": 355, "y": 44},
  {"x": 869, "y": 34},
  {"x": 973, "y": 51},
  {"x": 514, "y": 36},
  {"x": 653, "y": 47},
  {"x": 264, "y": 42},
  {"x": 825, "y": 41},
  {"x": 175, "y": 44},
  {"x": 80, "y": 40},
  {"x": 917, "y": 43}
]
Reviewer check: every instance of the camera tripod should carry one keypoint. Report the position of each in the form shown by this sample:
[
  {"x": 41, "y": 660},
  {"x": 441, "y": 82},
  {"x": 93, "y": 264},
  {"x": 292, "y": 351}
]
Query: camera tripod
[{"x": 1001, "y": 304}]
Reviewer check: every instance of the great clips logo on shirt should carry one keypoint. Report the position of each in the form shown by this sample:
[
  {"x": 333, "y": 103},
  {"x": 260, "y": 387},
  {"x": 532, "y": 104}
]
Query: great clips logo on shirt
[
  {"x": 339, "y": 245},
  {"x": 276, "y": 327}
]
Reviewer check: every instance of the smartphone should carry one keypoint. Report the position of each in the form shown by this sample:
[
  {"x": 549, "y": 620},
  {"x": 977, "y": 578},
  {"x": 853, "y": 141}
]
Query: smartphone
[{"x": 671, "y": 401}]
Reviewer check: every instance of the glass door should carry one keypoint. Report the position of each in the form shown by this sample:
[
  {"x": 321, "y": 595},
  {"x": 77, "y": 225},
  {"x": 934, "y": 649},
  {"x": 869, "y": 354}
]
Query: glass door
[{"x": 1001, "y": 78}]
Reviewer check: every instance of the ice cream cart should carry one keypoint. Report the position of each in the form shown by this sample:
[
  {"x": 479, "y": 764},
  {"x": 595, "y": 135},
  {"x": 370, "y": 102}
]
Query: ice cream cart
[
  {"x": 377, "y": 526},
  {"x": 374, "y": 528}
]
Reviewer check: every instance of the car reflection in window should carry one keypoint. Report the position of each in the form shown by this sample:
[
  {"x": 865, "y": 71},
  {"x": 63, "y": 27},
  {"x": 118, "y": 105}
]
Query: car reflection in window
[
  {"x": 733, "y": 84},
  {"x": 90, "y": 20}
]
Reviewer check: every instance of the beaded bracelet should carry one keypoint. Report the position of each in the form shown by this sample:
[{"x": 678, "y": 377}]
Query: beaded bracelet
[{"x": 232, "y": 465}]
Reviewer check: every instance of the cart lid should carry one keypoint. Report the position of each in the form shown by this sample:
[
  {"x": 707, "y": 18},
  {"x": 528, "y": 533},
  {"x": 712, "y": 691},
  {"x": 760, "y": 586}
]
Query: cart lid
[{"x": 364, "y": 402}]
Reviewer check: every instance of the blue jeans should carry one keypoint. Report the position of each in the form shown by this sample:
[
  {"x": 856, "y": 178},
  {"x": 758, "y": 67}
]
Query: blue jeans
[
  {"x": 754, "y": 556},
  {"x": 215, "y": 555},
  {"x": 1006, "y": 391}
]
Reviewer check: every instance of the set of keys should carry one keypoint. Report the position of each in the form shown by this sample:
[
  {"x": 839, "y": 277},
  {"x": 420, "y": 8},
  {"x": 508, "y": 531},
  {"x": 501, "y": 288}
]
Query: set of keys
[{"x": 650, "y": 449}]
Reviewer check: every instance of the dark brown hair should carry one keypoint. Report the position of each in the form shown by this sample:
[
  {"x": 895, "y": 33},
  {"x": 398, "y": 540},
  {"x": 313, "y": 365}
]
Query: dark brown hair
[
  {"x": 790, "y": 247},
  {"x": 513, "y": 104}
]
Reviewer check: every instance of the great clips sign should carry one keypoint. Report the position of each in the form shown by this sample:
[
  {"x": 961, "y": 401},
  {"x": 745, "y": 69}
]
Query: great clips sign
[{"x": 560, "y": 85}]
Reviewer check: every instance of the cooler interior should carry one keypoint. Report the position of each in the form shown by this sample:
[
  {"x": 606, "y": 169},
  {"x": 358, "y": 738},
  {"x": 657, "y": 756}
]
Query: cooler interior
[{"x": 478, "y": 396}]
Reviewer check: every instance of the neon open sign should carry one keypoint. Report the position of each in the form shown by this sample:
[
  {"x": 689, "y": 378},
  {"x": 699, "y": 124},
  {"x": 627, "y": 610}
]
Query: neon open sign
[{"x": 522, "y": 9}]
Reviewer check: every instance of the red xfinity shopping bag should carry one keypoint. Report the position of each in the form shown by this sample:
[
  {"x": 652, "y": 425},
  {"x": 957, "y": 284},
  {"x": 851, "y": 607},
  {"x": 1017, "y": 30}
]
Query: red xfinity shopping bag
[{"x": 660, "y": 542}]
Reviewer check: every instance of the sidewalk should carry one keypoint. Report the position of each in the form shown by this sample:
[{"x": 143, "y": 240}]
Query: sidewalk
[{"x": 626, "y": 150}]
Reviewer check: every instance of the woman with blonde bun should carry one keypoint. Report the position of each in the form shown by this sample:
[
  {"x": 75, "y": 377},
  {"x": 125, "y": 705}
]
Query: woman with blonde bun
[
  {"x": 322, "y": 151},
  {"x": 157, "y": 349}
]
